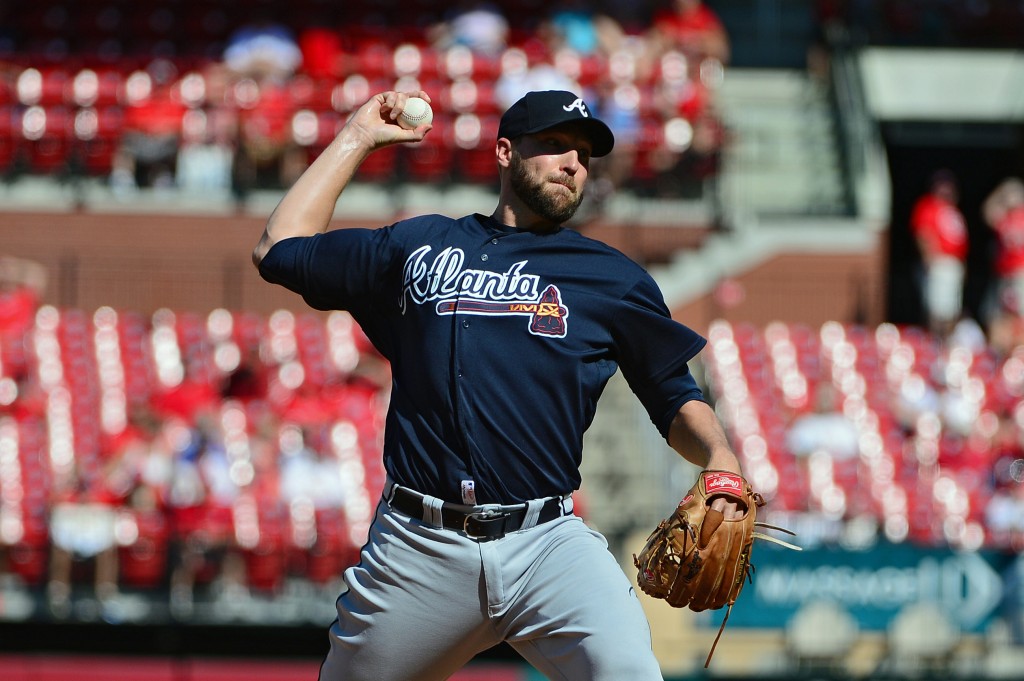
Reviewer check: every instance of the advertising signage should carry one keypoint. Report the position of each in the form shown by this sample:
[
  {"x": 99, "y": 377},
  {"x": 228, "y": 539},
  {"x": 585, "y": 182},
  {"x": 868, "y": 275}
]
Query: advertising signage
[{"x": 872, "y": 584}]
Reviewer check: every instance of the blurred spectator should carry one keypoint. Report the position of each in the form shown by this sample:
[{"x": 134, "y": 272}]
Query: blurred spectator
[
  {"x": 22, "y": 283},
  {"x": 267, "y": 155},
  {"x": 151, "y": 135},
  {"x": 914, "y": 398},
  {"x": 693, "y": 133},
  {"x": 322, "y": 51},
  {"x": 825, "y": 428},
  {"x": 254, "y": 129},
  {"x": 691, "y": 27},
  {"x": 200, "y": 501},
  {"x": 618, "y": 104},
  {"x": 518, "y": 77},
  {"x": 480, "y": 26},
  {"x": 577, "y": 26},
  {"x": 83, "y": 520},
  {"x": 263, "y": 49},
  {"x": 247, "y": 382},
  {"x": 206, "y": 154},
  {"x": 1003, "y": 211},
  {"x": 194, "y": 398},
  {"x": 1004, "y": 514},
  {"x": 308, "y": 473},
  {"x": 940, "y": 231}
]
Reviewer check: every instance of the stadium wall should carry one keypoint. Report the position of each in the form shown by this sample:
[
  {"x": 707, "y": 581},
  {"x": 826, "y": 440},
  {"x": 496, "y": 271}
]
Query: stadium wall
[
  {"x": 144, "y": 262},
  {"x": 806, "y": 288}
]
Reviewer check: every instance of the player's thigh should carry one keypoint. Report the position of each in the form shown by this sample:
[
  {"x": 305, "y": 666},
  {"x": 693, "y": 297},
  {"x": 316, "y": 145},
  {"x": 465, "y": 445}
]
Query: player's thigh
[
  {"x": 582, "y": 618},
  {"x": 411, "y": 609}
]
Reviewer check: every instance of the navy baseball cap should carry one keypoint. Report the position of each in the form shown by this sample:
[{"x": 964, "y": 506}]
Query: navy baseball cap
[{"x": 537, "y": 111}]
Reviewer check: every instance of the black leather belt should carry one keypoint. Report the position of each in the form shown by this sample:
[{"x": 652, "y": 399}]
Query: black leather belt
[{"x": 488, "y": 524}]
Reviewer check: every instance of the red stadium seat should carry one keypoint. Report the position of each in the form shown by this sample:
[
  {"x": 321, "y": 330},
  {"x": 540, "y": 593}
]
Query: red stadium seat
[
  {"x": 11, "y": 141},
  {"x": 473, "y": 138},
  {"x": 144, "y": 562},
  {"x": 431, "y": 160},
  {"x": 97, "y": 134},
  {"x": 48, "y": 86},
  {"x": 381, "y": 165},
  {"x": 29, "y": 558},
  {"x": 649, "y": 143},
  {"x": 47, "y": 134},
  {"x": 375, "y": 60},
  {"x": 333, "y": 550},
  {"x": 95, "y": 88},
  {"x": 266, "y": 563}
]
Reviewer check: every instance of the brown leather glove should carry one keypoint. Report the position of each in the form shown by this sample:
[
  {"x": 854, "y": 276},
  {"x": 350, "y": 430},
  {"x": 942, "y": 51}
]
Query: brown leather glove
[{"x": 697, "y": 558}]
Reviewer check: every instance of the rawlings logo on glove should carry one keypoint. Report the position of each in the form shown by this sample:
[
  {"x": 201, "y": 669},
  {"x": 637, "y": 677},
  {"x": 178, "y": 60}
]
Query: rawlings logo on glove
[{"x": 698, "y": 558}]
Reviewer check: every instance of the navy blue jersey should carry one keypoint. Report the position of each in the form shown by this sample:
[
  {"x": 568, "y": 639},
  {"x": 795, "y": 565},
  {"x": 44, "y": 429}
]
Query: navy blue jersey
[{"x": 500, "y": 342}]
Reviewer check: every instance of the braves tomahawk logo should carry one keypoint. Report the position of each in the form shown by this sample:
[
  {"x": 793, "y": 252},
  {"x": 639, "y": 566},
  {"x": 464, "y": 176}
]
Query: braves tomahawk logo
[
  {"x": 578, "y": 104},
  {"x": 461, "y": 290}
]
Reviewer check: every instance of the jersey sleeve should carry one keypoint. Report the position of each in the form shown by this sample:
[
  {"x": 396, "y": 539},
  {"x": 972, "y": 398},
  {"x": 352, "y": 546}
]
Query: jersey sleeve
[
  {"x": 653, "y": 351},
  {"x": 338, "y": 270}
]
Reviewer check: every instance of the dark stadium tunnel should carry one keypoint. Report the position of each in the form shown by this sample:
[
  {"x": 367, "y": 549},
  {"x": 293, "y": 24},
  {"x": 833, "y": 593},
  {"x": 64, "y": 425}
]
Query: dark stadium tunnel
[{"x": 980, "y": 155}]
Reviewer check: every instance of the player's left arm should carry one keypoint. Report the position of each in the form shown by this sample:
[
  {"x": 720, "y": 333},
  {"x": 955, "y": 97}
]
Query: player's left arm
[{"x": 697, "y": 435}]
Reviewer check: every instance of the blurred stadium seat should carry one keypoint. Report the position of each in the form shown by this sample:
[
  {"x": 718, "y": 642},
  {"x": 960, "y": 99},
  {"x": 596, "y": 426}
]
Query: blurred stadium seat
[
  {"x": 820, "y": 636},
  {"x": 127, "y": 56},
  {"x": 922, "y": 641}
]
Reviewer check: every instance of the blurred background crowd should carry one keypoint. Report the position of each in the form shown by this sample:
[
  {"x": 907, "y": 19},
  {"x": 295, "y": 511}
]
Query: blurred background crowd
[
  {"x": 219, "y": 460},
  {"x": 223, "y": 96}
]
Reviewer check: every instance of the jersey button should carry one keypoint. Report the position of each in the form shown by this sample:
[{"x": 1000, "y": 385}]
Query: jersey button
[
  {"x": 465, "y": 323},
  {"x": 484, "y": 256},
  {"x": 494, "y": 241}
]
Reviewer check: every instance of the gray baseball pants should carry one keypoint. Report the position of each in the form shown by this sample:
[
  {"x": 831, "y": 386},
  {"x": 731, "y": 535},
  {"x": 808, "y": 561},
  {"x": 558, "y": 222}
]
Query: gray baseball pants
[{"x": 424, "y": 600}]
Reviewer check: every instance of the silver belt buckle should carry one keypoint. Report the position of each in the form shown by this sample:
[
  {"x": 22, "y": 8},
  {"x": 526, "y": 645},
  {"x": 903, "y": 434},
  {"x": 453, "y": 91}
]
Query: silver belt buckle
[{"x": 483, "y": 516}]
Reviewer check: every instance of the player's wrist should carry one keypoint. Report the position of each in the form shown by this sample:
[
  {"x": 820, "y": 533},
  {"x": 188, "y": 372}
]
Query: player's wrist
[
  {"x": 724, "y": 460},
  {"x": 355, "y": 139}
]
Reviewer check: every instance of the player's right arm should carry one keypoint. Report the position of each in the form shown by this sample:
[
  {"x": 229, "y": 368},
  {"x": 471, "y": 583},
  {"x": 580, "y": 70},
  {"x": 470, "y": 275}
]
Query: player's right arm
[{"x": 308, "y": 206}]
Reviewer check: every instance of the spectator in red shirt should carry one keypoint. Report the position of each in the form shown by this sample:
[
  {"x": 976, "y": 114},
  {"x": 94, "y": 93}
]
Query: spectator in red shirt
[
  {"x": 151, "y": 131},
  {"x": 939, "y": 228},
  {"x": 82, "y": 524},
  {"x": 322, "y": 51},
  {"x": 691, "y": 27},
  {"x": 22, "y": 283}
]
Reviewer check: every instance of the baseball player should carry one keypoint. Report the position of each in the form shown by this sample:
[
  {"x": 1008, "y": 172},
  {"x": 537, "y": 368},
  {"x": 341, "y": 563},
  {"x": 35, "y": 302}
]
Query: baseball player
[{"x": 501, "y": 330}]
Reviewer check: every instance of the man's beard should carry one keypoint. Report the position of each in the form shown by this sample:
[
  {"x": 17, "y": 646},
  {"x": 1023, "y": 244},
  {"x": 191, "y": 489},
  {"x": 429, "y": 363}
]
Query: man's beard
[{"x": 555, "y": 208}]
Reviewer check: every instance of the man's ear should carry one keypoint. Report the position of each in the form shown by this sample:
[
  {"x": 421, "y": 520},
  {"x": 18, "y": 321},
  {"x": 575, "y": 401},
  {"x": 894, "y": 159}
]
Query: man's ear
[{"x": 503, "y": 151}]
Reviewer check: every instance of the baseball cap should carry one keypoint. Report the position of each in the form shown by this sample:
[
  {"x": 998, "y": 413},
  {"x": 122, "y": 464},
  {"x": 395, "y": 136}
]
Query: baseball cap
[{"x": 540, "y": 110}]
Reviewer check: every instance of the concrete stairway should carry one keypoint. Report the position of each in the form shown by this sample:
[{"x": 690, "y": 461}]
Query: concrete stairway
[{"x": 783, "y": 158}]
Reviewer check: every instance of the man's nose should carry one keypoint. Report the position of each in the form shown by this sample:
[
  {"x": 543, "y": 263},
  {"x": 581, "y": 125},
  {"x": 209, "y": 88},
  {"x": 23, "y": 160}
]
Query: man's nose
[{"x": 571, "y": 161}]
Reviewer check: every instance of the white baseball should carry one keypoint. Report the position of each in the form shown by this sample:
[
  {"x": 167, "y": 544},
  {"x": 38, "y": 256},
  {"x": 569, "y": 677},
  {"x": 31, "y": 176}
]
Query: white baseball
[{"x": 417, "y": 112}]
